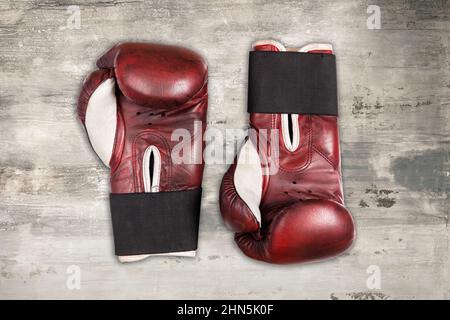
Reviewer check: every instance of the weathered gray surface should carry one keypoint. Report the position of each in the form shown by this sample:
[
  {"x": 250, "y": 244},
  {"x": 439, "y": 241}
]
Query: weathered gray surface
[{"x": 395, "y": 135}]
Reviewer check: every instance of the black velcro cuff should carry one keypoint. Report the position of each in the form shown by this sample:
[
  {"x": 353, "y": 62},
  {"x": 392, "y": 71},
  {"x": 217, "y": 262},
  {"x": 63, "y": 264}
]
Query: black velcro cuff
[
  {"x": 292, "y": 82},
  {"x": 150, "y": 223}
]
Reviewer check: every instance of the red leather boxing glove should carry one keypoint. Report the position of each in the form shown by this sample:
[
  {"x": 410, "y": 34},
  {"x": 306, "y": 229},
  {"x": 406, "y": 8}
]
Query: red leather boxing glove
[
  {"x": 131, "y": 108},
  {"x": 283, "y": 195}
]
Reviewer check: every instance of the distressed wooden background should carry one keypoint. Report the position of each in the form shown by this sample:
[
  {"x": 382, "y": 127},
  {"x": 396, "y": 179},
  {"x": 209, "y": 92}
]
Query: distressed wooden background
[{"x": 394, "y": 86}]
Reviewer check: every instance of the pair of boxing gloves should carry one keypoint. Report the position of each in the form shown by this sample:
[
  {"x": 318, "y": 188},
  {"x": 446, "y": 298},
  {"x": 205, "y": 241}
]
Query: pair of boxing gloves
[{"x": 282, "y": 195}]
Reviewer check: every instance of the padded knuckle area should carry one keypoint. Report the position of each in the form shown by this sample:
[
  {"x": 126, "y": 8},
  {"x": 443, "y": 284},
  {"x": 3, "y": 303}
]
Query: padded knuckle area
[
  {"x": 157, "y": 75},
  {"x": 310, "y": 230}
]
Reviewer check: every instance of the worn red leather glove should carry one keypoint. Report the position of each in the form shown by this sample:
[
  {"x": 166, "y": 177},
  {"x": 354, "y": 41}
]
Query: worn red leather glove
[
  {"x": 130, "y": 109},
  {"x": 283, "y": 195}
]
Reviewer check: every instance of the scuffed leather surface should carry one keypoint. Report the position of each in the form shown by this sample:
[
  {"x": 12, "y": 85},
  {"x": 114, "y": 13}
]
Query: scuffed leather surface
[
  {"x": 159, "y": 89},
  {"x": 302, "y": 206},
  {"x": 310, "y": 172},
  {"x": 155, "y": 75}
]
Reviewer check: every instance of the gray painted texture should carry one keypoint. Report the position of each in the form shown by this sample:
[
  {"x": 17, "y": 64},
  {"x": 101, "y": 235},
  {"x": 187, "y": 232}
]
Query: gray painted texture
[{"x": 394, "y": 86}]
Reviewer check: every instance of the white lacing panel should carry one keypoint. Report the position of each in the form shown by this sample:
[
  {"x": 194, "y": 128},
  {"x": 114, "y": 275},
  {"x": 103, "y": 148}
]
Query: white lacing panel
[
  {"x": 291, "y": 143},
  {"x": 151, "y": 179}
]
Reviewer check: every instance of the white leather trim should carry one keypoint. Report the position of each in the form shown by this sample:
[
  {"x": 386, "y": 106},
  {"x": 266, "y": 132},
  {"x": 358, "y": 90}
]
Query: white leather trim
[
  {"x": 248, "y": 178},
  {"x": 316, "y": 46},
  {"x": 139, "y": 257},
  {"x": 101, "y": 120},
  {"x": 293, "y": 144},
  {"x": 151, "y": 185},
  {"x": 305, "y": 48},
  {"x": 274, "y": 43}
]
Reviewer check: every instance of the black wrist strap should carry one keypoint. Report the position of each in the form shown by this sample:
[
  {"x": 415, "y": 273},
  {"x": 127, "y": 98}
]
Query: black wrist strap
[
  {"x": 292, "y": 82},
  {"x": 150, "y": 223}
]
